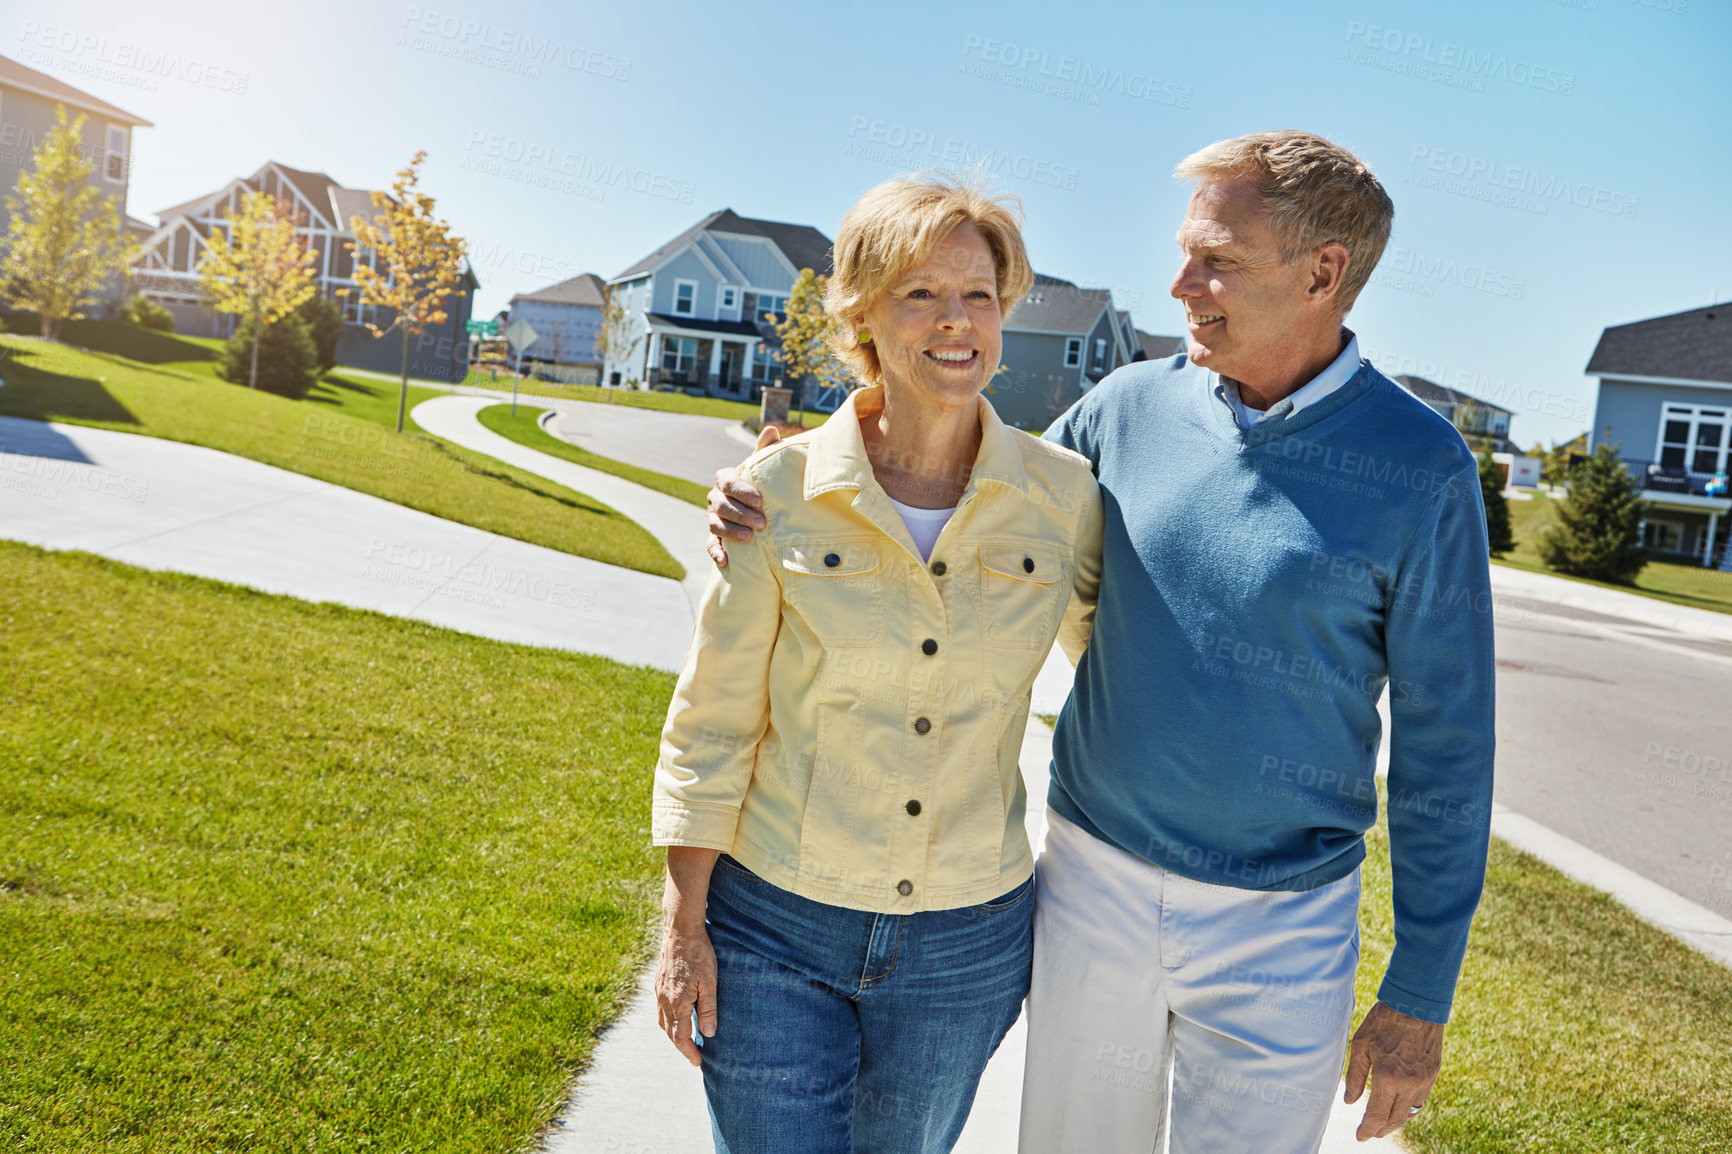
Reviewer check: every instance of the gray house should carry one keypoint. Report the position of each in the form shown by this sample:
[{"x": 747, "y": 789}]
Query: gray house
[
  {"x": 566, "y": 318},
  {"x": 1665, "y": 400},
  {"x": 28, "y": 100},
  {"x": 167, "y": 270},
  {"x": 1059, "y": 342},
  {"x": 1478, "y": 421},
  {"x": 697, "y": 308}
]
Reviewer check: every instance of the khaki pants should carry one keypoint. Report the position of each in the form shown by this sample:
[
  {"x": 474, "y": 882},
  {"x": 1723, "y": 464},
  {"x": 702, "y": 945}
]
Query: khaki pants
[{"x": 1160, "y": 1003}]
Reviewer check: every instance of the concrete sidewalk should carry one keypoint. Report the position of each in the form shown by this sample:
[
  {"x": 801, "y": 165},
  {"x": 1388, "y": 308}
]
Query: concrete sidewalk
[
  {"x": 164, "y": 505},
  {"x": 678, "y": 526}
]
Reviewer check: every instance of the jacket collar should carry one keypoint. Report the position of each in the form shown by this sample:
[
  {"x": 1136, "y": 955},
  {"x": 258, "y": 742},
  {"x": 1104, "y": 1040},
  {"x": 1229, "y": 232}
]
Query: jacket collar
[{"x": 837, "y": 457}]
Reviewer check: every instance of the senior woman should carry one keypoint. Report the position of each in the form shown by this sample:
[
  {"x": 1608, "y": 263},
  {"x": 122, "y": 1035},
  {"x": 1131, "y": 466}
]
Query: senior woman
[{"x": 848, "y": 905}]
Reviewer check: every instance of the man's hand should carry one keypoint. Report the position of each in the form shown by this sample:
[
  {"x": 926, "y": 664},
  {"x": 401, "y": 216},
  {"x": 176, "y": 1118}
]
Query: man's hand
[
  {"x": 686, "y": 980},
  {"x": 735, "y": 506},
  {"x": 1403, "y": 1056}
]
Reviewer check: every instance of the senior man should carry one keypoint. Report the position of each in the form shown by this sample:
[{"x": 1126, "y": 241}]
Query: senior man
[{"x": 1289, "y": 535}]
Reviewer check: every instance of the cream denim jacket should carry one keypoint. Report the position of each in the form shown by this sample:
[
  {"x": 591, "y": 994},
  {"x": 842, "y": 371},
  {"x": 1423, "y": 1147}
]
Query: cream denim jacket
[{"x": 849, "y": 719}]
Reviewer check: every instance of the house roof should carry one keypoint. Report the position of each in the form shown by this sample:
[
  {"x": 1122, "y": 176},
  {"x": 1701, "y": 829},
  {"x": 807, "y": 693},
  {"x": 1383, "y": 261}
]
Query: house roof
[
  {"x": 583, "y": 289},
  {"x": 315, "y": 186},
  {"x": 16, "y": 75},
  {"x": 325, "y": 194},
  {"x": 1055, "y": 305},
  {"x": 1160, "y": 348},
  {"x": 1433, "y": 393},
  {"x": 804, "y": 246},
  {"x": 726, "y": 328},
  {"x": 348, "y": 202},
  {"x": 1694, "y": 345}
]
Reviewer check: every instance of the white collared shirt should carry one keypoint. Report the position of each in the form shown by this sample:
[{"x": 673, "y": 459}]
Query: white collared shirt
[{"x": 1339, "y": 372}]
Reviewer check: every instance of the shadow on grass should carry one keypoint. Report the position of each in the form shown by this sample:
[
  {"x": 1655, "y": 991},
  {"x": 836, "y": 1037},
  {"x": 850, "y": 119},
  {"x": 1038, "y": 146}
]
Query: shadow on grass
[
  {"x": 39, "y": 394},
  {"x": 505, "y": 478},
  {"x": 118, "y": 337},
  {"x": 321, "y": 392}
]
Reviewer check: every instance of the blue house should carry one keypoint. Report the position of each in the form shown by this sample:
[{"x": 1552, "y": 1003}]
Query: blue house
[
  {"x": 1059, "y": 341},
  {"x": 1665, "y": 400},
  {"x": 697, "y": 309},
  {"x": 566, "y": 318}
]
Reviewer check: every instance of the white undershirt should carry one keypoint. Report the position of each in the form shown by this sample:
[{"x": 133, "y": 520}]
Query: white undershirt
[{"x": 924, "y": 525}]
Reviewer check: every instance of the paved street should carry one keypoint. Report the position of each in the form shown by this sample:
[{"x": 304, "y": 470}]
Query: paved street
[
  {"x": 1619, "y": 744},
  {"x": 678, "y": 444}
]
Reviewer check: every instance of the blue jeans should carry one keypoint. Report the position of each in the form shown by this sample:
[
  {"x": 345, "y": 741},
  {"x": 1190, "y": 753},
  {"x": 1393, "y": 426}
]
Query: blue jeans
[{"x": 843, "y": 1031}]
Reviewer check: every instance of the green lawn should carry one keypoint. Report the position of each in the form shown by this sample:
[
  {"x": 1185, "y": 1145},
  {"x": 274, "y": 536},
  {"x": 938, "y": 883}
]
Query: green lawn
[
  {"x": 278, "y": 876},
  {"x": 666, "y": 402},
  {"x": 1689, "y": 585},
  {"x": 159, "y": 385},
  {"x": 1577, "y": 1027},
  {"x": 523, "y": 429}
]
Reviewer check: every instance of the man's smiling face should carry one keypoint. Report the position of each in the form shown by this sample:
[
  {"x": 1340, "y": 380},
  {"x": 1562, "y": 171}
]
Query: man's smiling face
[{"x": 1247, "y": 313}]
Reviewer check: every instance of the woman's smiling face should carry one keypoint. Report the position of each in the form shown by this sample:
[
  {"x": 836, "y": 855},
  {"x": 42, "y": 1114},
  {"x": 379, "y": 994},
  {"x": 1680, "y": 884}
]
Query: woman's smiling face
[{"x": 937, "y": 328}]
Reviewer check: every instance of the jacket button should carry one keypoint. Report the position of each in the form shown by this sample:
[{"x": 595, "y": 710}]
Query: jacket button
[
  {"x": 1028, "y": 564},
  {"x": 831, "y": 560},
  {"x": 938, "y": 568},
  {"x": 904, "y": 887},
  {"x": 913, "y": 808},
  {"x": 921, "y": 725},
  {"x": 929, "y": 647}
]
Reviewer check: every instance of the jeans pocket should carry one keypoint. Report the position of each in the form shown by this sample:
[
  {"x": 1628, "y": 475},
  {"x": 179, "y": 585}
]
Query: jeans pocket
[{"x": 1008, "y": 900}]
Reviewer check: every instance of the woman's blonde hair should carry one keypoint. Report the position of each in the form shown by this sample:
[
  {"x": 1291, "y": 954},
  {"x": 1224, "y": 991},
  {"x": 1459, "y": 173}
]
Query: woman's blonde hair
[
  {"x": 893, "y": 228},
  {"x": 1315, "y": 192}
]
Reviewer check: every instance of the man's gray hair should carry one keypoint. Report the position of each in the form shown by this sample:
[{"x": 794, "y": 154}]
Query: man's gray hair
[{"x": 1315, "y": 192}]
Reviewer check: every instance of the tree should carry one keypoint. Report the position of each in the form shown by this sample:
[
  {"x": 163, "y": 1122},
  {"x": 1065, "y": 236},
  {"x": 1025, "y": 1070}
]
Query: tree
[
  {"x": 806, "y": 332},
  {"x": 280, "y": 358},
  {"x": 613, "y": 337},
  {"x": 324, "y": 321},
  {"x": 1497, "y": 522},
  {"x": 260, "y": 268},
  {"x": 147, "y": 314},
  {"x": 413, "y": 266},
  {"x": 1599, "y": 529},
  {"x": 1555, "y": 469},
  {"x": 64, "y": 242}
]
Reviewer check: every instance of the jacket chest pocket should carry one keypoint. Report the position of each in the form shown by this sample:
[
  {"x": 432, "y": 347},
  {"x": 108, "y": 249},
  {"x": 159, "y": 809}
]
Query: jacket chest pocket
[
  {"x": 1022, "y": 589},
  {"x": 837, "y": 588}
]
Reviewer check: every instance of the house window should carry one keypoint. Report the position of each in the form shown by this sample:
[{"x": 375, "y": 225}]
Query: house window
[
  {"x": 771, "y": 307},
  {"x": 114, "y": 160},
  {"x": 1695, "y": 438},
  {"x": 679, "y": 354},
  {"x": 730, "y": 298},
  {"x": 1100, "y": 353},
  {"x": 1073, "y": 352},
  {"x": 685, "y": 297},
  {"x": 763, "y": 362},
  {"x": 1664, "y": 536}
]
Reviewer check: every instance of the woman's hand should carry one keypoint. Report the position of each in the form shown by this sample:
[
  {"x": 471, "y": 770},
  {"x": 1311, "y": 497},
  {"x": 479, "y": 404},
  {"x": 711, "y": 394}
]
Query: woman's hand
[{"x": 686, "y": 971}]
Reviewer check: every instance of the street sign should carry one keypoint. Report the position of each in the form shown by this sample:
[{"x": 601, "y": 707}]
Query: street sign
[
  {"x": 519, "y": 335},
  {"x": 482, "y": 328}
]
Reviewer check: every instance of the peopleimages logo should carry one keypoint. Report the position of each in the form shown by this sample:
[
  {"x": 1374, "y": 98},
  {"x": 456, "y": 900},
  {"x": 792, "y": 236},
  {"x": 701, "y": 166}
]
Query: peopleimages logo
[
  {"x": 1497, "y": 176},
  {"x": 1069, "y": 76},
  {"x": 1418, "y": 52}
]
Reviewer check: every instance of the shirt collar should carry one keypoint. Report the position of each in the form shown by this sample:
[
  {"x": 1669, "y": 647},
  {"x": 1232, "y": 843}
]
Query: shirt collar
[
  {"x": 837, "y": 457},
  {"x": 1339, "y": 372}
]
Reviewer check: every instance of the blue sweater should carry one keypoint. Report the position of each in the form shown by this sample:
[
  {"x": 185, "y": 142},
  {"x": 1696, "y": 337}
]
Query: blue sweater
[{"x": 1261, "y": 588}]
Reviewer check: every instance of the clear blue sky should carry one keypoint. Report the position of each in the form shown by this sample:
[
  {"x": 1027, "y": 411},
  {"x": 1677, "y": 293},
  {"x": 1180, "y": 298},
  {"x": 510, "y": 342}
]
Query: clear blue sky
[{"x": 1556, "y": 166}]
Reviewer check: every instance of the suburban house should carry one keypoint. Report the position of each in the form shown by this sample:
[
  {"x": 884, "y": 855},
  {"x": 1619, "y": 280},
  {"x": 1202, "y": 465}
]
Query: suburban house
[
  {"x": 1478, "y": 421},
  {"x": 1158, "y": 348},
  {"x": 1059, "y": 342},
  {"x": 696, "y": 309},
  {"x": 167, "y": 270},
  {"x": 1665, "y": 402},
  {"x": 566, "y": 318},
  {"x": 28, "y": 102}
]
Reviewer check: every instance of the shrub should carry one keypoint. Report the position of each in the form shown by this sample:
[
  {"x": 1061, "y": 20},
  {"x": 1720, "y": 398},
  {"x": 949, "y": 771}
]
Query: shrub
[
  {"x": 1497, "y": 523},
  {"x": 288, "y": 362},
  {"x": 147, "y": 314},
  {"x": 324, "y": 321},
  {"x": 1599, "y": 529}
]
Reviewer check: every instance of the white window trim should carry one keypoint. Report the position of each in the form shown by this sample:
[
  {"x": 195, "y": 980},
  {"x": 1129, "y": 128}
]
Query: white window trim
[
  {"x": 125, "y": 157},
  {"x": 1693, "y": 414},
  {"x": 1073, "y": 349},
  {"x": 674, "y": 305},
  {"x": 1100, "y": 352},
  {"x": 725, "y": 311}
]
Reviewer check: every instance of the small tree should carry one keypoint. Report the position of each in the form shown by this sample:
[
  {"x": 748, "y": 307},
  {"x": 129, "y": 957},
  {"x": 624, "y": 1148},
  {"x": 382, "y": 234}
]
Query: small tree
[
  {"x": 147, "y": 314},
  {"x": 259, "y": 269},
  {"x": 415, "y": 263},
  {"x": 806, "y": 332},
  {"x": 1599, "y": 529},
  {"x": 1497, "y": 522},
  {"x": 613, "y": 338},
  {"x": 324, "y": 321},
  {"x": 64, "y": 242}
]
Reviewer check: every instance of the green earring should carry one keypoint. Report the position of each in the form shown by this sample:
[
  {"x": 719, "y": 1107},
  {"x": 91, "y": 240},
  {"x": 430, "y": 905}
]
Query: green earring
[{"x": 863, "y": 338}]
